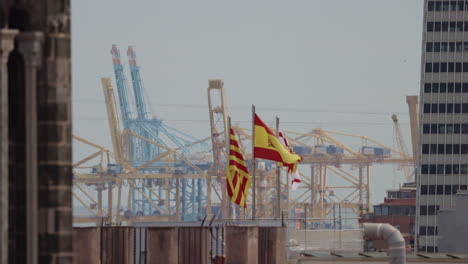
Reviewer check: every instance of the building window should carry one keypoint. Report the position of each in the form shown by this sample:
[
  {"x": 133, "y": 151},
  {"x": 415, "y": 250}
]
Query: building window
[
  {"x": 428, "y": 67},
  {"x": 445, "y": 108},
  {"x": 446, "y": 67},
  {"x": 377, "y": 210},
  {"x": 441, "y": 189},
  {"x": 428, "y": 230},
  {"x": 422, "y": 230},
  {"x": 444, "y": 148},
  {"x": 444, "y": 169},
  {"x": 447, "y": 6},
  {"x": 443, "y": 129},
  {"x": 429, "y": 47},
  {"x": 448, "y": 189},
  {"x": 426, "y": 128},
  {"x": 446, "y": 26},
  {"x": 428, "y": 209},
  {"x": 426, "y": 108}
]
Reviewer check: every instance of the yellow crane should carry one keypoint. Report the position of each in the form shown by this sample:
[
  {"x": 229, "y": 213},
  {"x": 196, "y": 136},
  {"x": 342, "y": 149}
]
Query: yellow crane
[
  {"x": 339, "y": 171},
  {"x": 92, "y": 177},
  {"x": 113, "y": 118},
  {"x": 407, "y": 165},
  {"x": 218, "y": 123},
  {"x": 412, "y": 102}
]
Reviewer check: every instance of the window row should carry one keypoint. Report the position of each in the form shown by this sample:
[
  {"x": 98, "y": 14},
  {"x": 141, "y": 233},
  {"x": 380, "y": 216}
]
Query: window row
[
  {"x": 446, "y": 87},
  {"x": 447, "y": 6},
  {"x": 444, "y": 169},
  {"x": 445, "y": 108},
  {"x": 441, "y": 189},
  {"x": 445, "y": 149},
  {"x": 445, "y": 128},
  {"x": 446, "y": 67},
  {"x": 429, "y": 249},
  {"x": 446, "y": 26},
  {"x": 446, "y": 46},
  {"x": 384, "y": 210},
  {"x": 428, "y": 230},
  {"x": 428, "y": 209}
]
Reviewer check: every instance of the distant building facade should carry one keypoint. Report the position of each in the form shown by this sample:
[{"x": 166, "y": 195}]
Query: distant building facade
[
  {"x": 399, "y": 210},
  {"x": 35, "y": 132},
  {"x": 453, "y": 226},
  {"x": 443, "y": 162}
]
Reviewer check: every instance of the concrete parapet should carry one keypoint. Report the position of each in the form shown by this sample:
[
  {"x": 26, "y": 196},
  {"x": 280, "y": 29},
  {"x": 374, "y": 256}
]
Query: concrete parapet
[
  {"x": 241, "y": 245},
  {"x": 117, "y": 245},
  {"x": 163, "y": 245},
  {"x": 194, "y": 245},
  {"x": 271, "y": 245},
  {"x": 178, "y": 245},
  {"x": 106, "y": 245},
  {"x": 87, "y": 245}
]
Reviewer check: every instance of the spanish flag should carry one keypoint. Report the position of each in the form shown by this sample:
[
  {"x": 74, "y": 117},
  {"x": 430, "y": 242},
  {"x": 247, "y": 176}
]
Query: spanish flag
[
  {"x": 292, "y": 168},
  {"x": 267, "y": 146},
  {"x": 238, "y": 178}
]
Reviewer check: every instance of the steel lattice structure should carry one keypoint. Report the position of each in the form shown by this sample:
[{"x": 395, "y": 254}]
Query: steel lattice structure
[
  {"x": 146, "y": 142},
  {"x": 156, "y": 175}
]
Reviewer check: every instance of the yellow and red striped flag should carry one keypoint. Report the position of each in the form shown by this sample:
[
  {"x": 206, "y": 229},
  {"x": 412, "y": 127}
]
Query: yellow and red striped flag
[{"x": 238, "y": 178}]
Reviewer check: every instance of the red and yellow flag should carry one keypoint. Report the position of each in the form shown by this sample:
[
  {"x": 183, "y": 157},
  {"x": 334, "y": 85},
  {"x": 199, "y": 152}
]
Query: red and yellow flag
[
  {"x": 267, "y": 146},
  {"x": 238, "y": 178}
]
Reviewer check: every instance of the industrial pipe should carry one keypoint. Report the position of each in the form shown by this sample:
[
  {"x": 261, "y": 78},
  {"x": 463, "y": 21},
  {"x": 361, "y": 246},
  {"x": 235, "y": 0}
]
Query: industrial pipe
[{"x": 391, "y": 235}]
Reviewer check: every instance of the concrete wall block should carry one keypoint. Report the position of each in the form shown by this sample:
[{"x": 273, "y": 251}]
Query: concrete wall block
[
  {"x": 163, "y": 245},
  {"x": 194, "y": 245},
  {"x": 272, "y": 245},
  {"x": 241, "y": 245},
  {"x": 117, "y": 245},
  {"x": 86, "y": 245}
]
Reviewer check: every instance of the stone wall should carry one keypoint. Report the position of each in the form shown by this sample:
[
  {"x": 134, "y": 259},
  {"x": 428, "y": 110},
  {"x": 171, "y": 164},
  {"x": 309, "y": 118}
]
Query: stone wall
[{"x": 35, "y": 132}]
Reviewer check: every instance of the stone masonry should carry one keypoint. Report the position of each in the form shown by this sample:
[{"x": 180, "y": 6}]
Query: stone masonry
[{"x": 35, "y": 132}]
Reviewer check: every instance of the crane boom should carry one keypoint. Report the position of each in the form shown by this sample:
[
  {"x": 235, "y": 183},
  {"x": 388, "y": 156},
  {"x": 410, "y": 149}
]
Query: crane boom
[
  {"x": 406, "y": 166},
  {"x": 113, "y": 118},
  {"x": 124, "y": 97},
  {"x": 414, "y": 121},
  {"x": 218, "y": 121},
  {"x": 137, "y": 84}
]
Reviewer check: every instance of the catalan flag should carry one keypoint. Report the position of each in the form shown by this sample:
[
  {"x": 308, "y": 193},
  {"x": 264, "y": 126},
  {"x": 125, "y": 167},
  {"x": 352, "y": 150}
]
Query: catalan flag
[
  {"x": 238, "y": 178},
  {"x": 267, "y": 146}
]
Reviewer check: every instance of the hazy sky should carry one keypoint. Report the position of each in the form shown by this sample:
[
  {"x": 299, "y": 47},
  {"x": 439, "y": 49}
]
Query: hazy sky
[{"x": 340, "y": 65}]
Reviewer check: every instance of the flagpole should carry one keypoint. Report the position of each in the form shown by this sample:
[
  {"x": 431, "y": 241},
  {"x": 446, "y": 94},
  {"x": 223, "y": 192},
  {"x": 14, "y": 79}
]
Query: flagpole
[
  {"x": 254, "y": 189},
  {"x": 228, "y": 147},
  {"x": 278, "y": 178}
]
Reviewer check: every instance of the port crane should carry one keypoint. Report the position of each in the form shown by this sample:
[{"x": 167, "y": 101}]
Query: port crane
[{"x": 157, "y": 176}]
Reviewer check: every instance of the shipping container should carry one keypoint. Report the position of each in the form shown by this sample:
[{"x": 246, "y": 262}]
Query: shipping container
[
  {"x": 375, "y": 151},
  {"x": 114, "y": 168},
  {"x": 382, "y": 152},
  {"x": 368, "y": 151},
  {"x": 332, "y": 149},
  {"x": 320, "y": 149},
  {"x": 301, "y": 150}
]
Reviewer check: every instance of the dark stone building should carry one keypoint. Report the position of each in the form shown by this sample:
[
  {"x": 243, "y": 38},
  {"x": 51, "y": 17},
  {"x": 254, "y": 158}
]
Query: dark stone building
[{"x": 35, "y": 132}]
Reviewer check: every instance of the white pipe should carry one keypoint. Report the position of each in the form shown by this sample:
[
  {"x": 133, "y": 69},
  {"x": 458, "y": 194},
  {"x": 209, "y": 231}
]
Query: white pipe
[{"x": 391, "y": 235}]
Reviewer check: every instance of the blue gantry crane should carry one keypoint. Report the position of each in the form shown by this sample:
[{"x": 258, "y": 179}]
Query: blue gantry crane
[{"x": 138, "y": 119}]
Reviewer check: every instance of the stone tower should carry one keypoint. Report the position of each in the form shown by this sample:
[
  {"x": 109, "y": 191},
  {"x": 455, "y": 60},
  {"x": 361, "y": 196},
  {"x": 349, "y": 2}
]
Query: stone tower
[{"x": 35, "y": 132}]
